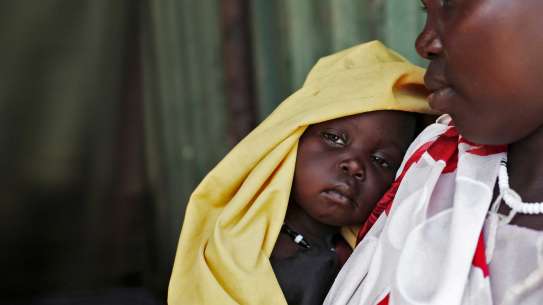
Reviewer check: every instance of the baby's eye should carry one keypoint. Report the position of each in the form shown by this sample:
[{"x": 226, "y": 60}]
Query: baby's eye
[
  {"x": 382, "y": 162},
  {"x": 333, "y": 138}
]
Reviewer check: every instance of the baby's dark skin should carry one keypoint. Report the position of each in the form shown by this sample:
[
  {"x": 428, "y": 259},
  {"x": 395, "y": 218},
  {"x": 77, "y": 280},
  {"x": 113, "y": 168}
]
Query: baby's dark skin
[
  {"x": 343, "y": 168},
  {"x": 486, "y": 71}
]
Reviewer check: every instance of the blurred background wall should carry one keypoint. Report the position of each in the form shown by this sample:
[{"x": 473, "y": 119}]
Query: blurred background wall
[{"x": 111, "y": 112}]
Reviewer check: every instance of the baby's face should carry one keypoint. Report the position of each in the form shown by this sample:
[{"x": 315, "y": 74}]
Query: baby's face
[
  {"x": 344, "y": 166},
  {"x": 486, "y": 66}
]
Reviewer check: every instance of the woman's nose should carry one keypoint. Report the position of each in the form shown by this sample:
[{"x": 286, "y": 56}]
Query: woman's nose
[
  {"x": 353, "y": 168},
  {"x": 428, "y": 43}
]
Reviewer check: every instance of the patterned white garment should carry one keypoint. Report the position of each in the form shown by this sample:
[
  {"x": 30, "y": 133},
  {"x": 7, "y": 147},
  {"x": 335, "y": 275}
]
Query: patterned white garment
[
  {"x": 515, "y": 256},
  {"x": 427, "y": 246}
]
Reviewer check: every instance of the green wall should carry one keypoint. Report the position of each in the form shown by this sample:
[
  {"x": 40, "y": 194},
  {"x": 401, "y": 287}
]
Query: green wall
[{"x": 111, "y": 112}]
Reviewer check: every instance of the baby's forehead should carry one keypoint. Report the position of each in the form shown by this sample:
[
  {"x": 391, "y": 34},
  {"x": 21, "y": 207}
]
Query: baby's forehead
[
  {"x": 384, "y": 124},
  {"x": 380, "y": 118}
]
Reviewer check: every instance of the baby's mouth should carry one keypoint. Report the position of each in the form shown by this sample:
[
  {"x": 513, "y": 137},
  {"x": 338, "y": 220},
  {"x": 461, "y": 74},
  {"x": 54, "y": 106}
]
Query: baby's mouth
[{"x": 340, "y": 197}]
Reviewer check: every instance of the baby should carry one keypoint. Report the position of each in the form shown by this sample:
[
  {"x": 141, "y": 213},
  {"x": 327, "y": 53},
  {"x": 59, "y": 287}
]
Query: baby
[
  {"x": 263, "y": 226},
  {"x": 343, "y": 167}
]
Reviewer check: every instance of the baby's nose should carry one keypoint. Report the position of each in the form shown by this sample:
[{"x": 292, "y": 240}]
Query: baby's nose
[{"x": 353, "y": 168}]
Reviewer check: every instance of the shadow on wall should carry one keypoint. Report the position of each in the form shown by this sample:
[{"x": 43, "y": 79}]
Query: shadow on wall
[
  {"x": 118, "y": 296},
  {"x": 75, "y": 211}
]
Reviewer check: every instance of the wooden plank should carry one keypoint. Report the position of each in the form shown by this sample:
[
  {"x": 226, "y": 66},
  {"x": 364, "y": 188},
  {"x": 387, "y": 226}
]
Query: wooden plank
[
  {"x": 165, "y": 126},
  {"x": 376, "y": 18},
  {"x": 193, "y": 150},
  {"x": 307, "y": 38},
  {"x": 270, "y": 55},
  {"x": 238, "y": 68},
  {"x": 214, "y": 97},
  {"x": 350, "y": 23},
  {"x": 184, "y": 107}
]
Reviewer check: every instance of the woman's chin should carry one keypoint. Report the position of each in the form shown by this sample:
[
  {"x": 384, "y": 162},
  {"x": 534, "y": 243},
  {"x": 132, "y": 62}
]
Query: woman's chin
[{"x": 478, "y": 136}]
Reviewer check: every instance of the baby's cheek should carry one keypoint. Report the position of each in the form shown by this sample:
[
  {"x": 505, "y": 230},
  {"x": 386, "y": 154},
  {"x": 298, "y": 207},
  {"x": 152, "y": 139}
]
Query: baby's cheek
[
  {"x": 381, "y": 181},
  {"x": 375, "y": 191}
]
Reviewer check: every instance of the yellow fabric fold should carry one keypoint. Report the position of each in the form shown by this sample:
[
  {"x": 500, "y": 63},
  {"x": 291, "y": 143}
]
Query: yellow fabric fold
[{"x": 234, "y": 216}]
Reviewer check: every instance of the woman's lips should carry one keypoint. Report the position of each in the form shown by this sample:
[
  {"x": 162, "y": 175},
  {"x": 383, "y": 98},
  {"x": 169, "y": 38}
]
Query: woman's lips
[
  {"x": 440, "y": 98},
  {"x": 339, "y": 197}
]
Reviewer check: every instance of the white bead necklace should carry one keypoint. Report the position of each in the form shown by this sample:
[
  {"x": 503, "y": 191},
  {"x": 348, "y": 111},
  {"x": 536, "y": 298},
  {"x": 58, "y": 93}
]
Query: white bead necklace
[{"x": 512, "y": 198}]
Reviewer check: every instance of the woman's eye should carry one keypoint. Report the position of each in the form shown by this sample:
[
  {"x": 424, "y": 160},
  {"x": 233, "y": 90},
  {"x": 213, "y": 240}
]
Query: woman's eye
[
  {"x": 382, "y": 162},
  {"x": 423, "y": 6},
  {"x": 446, "y": 3},
  {"x": 334, "y": 138}
]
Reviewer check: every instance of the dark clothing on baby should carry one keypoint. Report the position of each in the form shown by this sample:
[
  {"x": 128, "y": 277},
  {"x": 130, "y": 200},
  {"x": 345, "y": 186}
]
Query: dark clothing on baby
[{"x": 306, "y": 276}]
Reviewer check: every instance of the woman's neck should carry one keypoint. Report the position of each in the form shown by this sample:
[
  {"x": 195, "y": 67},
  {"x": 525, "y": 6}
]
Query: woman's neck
[
  {"x": 525, "y": 168},
  {"x": 300, "y": 221}
]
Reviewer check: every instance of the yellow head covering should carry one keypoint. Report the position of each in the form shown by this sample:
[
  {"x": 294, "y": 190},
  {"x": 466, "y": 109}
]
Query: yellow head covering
[{"x": 234, "y": 216}]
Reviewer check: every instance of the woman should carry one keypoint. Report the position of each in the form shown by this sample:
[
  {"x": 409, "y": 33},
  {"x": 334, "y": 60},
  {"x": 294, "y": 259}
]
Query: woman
[{"x": 463, "y": 224}]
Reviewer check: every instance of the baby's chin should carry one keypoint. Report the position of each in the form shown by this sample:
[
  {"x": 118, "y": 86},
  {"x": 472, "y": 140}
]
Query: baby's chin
[
  {"x": 354, "y": 218},
  {"x": 341, "y": 223}
]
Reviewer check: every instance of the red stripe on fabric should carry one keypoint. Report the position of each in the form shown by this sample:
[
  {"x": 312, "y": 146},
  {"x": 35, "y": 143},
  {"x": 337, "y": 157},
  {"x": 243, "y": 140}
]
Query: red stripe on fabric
[
  {"x": 445, "y": 148},
  {"x": 464, "y": 140},
  {"x": 385, "y": 300},
  {"x": 479, "y": 258},
  {"x": 484, "y": 150},
  {"x": 450, "y": 133},
  {"x": 391, "y": 197},
  {"x": 488, "y": 150}
]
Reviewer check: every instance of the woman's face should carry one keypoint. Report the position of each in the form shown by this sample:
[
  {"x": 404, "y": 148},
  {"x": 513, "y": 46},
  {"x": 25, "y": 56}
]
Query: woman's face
[{"x": 486, "y": 66}]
